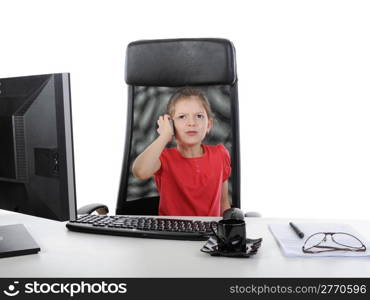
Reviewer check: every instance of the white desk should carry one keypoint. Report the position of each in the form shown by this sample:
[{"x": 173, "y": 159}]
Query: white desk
[{"x": 71, "y": 254}]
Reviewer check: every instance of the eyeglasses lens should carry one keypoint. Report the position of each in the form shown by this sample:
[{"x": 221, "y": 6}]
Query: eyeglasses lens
[
  {"x": 346, "y": 240},
  {"x": 314, "y": 240}
]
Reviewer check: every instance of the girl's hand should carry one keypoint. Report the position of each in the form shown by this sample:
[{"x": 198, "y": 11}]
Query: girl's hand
[{"x": 165, "y": 128}]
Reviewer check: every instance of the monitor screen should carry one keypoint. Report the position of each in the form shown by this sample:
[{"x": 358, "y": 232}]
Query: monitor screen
[{"x": 36, "y": 146}]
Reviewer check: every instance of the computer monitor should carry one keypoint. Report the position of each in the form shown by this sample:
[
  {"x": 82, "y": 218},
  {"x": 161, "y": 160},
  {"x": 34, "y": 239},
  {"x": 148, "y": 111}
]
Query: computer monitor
[{"x": 36, "y": 146}]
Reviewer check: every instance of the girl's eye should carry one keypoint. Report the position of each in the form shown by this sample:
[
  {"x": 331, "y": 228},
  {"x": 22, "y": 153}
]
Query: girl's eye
[
  {"x": 181, "y": 117},
  {"x": 200, "y": 116}
]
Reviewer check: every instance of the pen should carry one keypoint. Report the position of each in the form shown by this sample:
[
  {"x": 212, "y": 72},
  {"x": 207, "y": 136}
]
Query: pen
[{"x": 296, "y": 230}]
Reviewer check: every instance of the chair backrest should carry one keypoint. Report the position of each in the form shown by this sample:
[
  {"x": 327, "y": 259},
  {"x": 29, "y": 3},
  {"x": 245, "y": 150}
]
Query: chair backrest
[{"x": 155, "y": 69}]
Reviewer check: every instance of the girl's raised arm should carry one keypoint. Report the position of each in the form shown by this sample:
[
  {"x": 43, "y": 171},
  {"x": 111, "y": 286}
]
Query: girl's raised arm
[{"x": 147, "y": 163}]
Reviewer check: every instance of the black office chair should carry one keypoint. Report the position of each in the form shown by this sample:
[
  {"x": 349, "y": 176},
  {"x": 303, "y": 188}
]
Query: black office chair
[{"x": 154, "y": 70}]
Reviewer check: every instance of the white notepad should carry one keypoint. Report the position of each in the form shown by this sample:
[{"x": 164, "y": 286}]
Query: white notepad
[{"x": 291, "y": 244}]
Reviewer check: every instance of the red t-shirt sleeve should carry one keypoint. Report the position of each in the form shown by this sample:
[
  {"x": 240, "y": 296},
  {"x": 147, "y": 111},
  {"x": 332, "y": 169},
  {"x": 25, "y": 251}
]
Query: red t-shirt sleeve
[{"x": 226, "y": 163}]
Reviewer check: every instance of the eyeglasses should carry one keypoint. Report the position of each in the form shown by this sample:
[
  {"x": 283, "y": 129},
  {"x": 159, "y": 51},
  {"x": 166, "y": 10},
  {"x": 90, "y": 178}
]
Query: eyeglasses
[{"x": 340, "y": 241}]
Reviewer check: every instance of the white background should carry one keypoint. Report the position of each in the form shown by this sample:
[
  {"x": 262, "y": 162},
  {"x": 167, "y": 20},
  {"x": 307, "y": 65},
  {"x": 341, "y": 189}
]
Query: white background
[{"x": 304, "y": 87}]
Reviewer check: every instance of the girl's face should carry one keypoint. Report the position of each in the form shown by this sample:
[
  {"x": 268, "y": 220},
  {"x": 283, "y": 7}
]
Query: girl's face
[{"x": 191, "y": 121}]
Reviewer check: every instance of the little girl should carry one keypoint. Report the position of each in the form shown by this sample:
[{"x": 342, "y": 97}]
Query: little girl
[{"x": 191, "y": 178}]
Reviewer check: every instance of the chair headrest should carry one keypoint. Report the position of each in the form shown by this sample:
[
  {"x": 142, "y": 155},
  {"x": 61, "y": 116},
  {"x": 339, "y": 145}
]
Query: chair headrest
[{"x": 180, "y": 62}]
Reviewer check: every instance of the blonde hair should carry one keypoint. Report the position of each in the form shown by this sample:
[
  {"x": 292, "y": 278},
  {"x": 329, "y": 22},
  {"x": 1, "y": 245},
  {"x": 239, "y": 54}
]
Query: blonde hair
[{"x": 187, "y": 92}]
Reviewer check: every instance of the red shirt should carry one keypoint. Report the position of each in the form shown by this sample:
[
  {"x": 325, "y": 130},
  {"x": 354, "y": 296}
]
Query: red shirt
[{"x": 192, "y": 186}]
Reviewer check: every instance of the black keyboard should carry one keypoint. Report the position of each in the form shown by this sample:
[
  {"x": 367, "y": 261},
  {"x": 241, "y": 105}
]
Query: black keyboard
[{"x": 148, "y": 227}]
